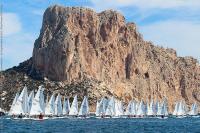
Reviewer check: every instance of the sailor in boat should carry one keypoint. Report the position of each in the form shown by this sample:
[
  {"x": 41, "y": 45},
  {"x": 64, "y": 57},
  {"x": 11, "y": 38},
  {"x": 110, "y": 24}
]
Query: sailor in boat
[
  {"x": 20, "y": 116},
  {"x": 40, "y": 116},
  {"x": 13, "y": 116},
  {"x": 2, "y": 113},
  {"x": 102, "y": 115}
]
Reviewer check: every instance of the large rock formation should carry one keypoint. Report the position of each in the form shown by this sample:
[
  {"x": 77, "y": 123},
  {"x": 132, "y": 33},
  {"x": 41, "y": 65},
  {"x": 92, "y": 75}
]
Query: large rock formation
[{"x": 104, "y": 55}]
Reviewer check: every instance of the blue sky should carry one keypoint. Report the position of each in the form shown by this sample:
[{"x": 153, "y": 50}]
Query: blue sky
[{"x": 168, "y": 23}]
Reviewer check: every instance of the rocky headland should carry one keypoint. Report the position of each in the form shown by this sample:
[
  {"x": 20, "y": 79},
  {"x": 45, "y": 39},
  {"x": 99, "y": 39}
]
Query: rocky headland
[{"x": 83, "y": 52}]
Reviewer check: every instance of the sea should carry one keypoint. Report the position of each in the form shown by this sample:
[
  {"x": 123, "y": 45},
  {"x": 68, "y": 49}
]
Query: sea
[{"x": 94, "y": 125}]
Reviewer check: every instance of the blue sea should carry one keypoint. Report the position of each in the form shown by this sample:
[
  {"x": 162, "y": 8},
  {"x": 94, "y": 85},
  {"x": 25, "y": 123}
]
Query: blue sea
[{"x": 93, "y": 125}]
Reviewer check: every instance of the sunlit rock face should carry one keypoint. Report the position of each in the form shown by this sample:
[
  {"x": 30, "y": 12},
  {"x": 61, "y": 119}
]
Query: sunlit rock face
[{"x": 77, "y": 42}]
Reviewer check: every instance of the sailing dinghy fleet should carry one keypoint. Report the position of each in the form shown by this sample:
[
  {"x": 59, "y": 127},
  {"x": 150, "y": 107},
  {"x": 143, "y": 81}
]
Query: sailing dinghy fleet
[
  {"x": 31, "y": 106},
  {"x": 34, "y": 106}
]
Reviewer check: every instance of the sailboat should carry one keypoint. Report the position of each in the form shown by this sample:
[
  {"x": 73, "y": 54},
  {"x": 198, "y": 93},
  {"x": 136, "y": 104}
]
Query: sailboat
[
  {"x": 150, "y": 109},
  {"x": 37, "y": 108},
  {"x": 97, "y": 112},
  {"x": 131, "y": 109},
  {"x": 119, "y": 108},
  {"x": 193, "y": 110},
  {"x": 155, "y": 107},
  {"x": 74, "y": 107},
  {"x": 110, "y": 111},
  {"x": 176, "y": 109},
  {"x": 11, "y": 112},
  {"x": 58, "y": 106},
  {"x": 128, "y": 111},
  {"x": 165, "y": 108},
  {"x": 50, "y": 107},
  {"x": 30, "y": 100},
  {"x": 134, "y": 108},
  {"x": 160, "y": 111},
  {"x": 84, "y": 109},
  {"x": 181, "y": 109},
  {"x": 66, "y": 106},
  {"x": 20, "y": 107},
  {"x": 141, "y": 110}
]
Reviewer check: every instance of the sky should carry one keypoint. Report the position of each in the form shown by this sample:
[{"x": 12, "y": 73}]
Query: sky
[{"x": 168, "y": 23}]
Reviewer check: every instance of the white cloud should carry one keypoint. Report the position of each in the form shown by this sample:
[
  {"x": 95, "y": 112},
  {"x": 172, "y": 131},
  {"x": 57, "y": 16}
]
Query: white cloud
[
  {"x": 180, "y": 35},
  {"x": 17, "y": 48},
  {"x": 145, "y": 4},
  {"x": 11, "y": 24},
  {"x": 38, "y": 12}
]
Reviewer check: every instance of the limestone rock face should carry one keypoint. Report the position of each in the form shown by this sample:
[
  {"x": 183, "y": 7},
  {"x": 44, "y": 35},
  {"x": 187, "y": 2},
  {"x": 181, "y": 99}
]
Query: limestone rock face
[{"x": 76, "y": 44}]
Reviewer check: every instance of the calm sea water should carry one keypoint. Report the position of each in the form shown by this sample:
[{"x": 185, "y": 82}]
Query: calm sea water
[{"x": 150, "y": 125}]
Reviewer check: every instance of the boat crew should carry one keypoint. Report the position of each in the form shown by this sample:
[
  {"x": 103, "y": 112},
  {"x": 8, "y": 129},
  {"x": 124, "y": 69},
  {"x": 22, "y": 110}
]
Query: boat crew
[
  {"x": 2, "y": 113},
  {"x": 40, "y": 116},
  {"x": 20, "y": 116}
]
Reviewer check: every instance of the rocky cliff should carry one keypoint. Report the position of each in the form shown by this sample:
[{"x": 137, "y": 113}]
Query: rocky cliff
[{"x": 99, "y": 54}]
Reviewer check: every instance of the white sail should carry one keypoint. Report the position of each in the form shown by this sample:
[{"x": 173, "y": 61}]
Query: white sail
[
  {"x": 110, "y": 111},
  {"x": 160, "y": 111},
  {"x": 165, "y": 108},
  {"x": 42, "y": 101},
  {"x": 118, "y": 108},
  {"x": 50, "y": 106},
  {"x": 150, "y": 109},
  {"x": 13, "y": 104},
  {"x": 134, "y": 107},
  {"x": 129, "y": 108},
  {"x": 97, "y": 112},
  {"x": 141, "y": 109},
  {"x": 30, "y": 100},
  {"x": 105, "y": 105},
  {"x": 181, "y": 109},
  {"x": 193, "y": 110},
  {"x": 101, "y": 107},
  {"x": 38, "y": 103},
  {"x": 58, "y": 106},
  {"x": 176, "y": 109},
  {"x": 66, "y": 106},
  {"x": 155, "y": 107},
  {"x": 21, "y": 105},
  {"x": 74, "y": 107},
  {"x": 84, "y": 109}
]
